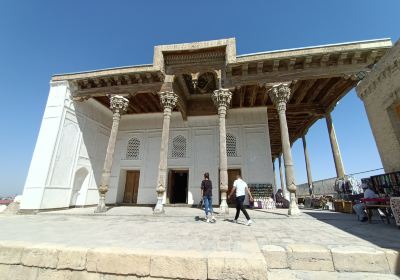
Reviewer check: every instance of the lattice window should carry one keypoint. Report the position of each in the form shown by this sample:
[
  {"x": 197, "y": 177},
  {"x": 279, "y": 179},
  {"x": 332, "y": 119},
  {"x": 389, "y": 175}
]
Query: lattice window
[
  {"x": 133, "y": 149},
  {"x": 178, "y": 147},
  {"x": 231, "y": 146}
]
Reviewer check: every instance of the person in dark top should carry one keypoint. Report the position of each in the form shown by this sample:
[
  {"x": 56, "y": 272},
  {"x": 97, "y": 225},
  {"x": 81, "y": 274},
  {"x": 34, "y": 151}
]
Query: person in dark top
[{"x": 206, "y": 193}]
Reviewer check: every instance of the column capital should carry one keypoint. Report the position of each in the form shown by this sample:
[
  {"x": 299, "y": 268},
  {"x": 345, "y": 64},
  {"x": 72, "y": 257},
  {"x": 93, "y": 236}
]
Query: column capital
[
  {"x": 280, "y": 95},
  {"x": 222, "y": 98},
  {"x": 118, "y": 104},
  {"x": 168, "y": 99}
]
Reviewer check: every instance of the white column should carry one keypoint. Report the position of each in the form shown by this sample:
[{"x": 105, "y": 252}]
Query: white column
[
  {"x": 280, "y": 95},
  {"x": 222, "y": 99},
  {"x": 168, "y": 100},
  {"x": 335, "y": 147},
  {"x": 118, "y": 105}
]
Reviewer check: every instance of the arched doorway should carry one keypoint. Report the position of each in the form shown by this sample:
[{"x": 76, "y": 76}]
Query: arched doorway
[{"x": 81, "y": 184}]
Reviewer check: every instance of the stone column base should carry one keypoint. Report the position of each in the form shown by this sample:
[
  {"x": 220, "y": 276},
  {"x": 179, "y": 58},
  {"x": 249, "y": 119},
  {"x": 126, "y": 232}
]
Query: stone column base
[
  {"x": 159, "y": 208},
  {"x": 293, "y": 208},
  {"x": 224, "y": 208}
]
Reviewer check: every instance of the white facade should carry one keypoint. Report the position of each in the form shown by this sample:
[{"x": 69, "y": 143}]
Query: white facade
[{"x": 69, "y": 154}]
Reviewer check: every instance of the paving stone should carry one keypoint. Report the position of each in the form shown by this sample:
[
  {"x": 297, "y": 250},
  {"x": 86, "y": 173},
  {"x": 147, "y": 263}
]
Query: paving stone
[
  {"x": 359, "y": 259},
  {"x": 181, "y": 265},
  {"x": 118, "y": 261},
  {"x": 41, "y": 255},
  {"x": 73, "y": 258},
  {"x": 275, "y": 256},
  {"x": 309, "y": 257},
  {"x": 234, "y": 266}
]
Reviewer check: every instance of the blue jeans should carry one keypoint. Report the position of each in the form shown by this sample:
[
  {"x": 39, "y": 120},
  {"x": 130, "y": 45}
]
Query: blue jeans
[{"x": 207, "y": 199}]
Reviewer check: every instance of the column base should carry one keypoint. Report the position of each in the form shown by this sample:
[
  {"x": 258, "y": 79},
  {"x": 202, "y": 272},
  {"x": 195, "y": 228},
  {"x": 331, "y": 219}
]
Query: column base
[
  {"x": 293, "y": 208},
  {"x": 224, "y": 208},
  {"x": 101, "y": 207},
  {"x": 159, "y": 208}
]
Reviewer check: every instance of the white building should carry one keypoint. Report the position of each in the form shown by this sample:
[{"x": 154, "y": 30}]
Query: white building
[{"x": 194, "y": 84}]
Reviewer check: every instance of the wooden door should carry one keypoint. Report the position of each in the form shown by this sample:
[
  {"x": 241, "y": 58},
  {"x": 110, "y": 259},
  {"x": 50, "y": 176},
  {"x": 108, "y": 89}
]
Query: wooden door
[
  {"x": 131, "y": 186},
  {"x": 231, "y": 178}
]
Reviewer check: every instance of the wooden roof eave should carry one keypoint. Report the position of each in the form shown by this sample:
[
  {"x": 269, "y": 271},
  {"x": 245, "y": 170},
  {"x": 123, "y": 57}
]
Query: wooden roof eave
[{"x": 352, "y": 47}]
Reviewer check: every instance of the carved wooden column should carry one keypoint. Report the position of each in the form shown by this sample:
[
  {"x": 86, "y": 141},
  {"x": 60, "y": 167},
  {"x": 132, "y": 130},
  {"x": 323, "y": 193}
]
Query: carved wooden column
[
  {"x": 280, "y": 95},
  {"x": 118, "y": 105},
  {"x": 222, "y": 99},
  {"x": 335, "y": 147},
  {"x": 168, "y": 100},
  {"x": 308, "y": 166},
  {"x": 283, "y": 188}
]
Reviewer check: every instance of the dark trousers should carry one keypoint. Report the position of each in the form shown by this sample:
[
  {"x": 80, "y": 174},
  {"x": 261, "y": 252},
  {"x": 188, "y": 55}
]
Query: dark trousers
[{"x": 239, "y": 206}]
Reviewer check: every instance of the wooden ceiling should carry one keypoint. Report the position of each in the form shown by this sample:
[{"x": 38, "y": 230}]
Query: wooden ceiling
[{"x": 318, "y": 77}]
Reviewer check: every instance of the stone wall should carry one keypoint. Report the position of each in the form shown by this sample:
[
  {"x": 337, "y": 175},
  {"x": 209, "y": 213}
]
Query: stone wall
[{"x": 380, "y": 92}]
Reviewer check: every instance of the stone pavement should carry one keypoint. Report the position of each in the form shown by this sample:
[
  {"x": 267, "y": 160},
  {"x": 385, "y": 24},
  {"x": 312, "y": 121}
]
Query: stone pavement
[{"x": 282, "y": 247}]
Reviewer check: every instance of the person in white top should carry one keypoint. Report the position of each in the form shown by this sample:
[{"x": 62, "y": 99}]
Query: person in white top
[
  {"x": 240, "y": 187},
  {"x": 359, "y": 207}
]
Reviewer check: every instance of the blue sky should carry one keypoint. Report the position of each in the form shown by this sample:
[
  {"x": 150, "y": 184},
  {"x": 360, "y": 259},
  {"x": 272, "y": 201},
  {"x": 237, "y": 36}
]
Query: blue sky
[{"x": 41, "y": 38}]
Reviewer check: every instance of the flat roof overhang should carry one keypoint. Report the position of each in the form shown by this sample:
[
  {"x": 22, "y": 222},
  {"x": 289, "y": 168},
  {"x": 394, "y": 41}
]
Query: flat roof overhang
[{"x": 319, "y": 77}]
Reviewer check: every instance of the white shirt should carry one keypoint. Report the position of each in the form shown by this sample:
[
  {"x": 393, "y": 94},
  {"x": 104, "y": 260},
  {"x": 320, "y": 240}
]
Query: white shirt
[{"x": 240, "y": 186}]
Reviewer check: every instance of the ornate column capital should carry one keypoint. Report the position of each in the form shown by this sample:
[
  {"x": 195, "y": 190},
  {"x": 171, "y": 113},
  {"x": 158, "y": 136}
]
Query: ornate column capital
[
  {"x": 168, "y": 99},
  {"x": 280, "y": 95},
  {"x": 222, "y": 98},
  {"x": 118, "y": 104}
]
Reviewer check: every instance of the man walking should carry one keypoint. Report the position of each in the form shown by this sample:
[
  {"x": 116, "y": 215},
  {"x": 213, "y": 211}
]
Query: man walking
[
  {"x": 206, "y": 193},
  {"x": 240, "y": 187}
]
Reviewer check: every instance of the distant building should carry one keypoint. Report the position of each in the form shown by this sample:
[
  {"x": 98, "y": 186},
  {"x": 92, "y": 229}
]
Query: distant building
[
  {"x": 146, "y": 134},
  {"x": 380, "y": 92}
]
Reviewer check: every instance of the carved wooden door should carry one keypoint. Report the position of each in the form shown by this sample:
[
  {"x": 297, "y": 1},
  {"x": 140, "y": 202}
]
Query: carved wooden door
[{"x": 131, "y": 187}]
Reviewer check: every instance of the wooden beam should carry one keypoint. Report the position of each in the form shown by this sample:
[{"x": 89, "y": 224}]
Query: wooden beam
[
  {"x": 332, "y": 90},
  {"x": 303, "y": 91},
  {"x": 140, "y": 103},
  {"x": 297, "y": 74},
  {"x": 342, "y": 58},
  {"x": 275, "y": 66},
  {"x": 356, "y": 57},
  {"x": 321, "y": 85},
  {"x": 253, "y": 95},
  {"x": 265, "y": 97},
  {"x": 304, "y": 108},
  {"x": 156, "y": 101},
  {"x": 291, "y": 64},
  {"x": 241, "y": 96},
  {"x": 260, "y": 66},
  {"x": 123, "y": 89}
]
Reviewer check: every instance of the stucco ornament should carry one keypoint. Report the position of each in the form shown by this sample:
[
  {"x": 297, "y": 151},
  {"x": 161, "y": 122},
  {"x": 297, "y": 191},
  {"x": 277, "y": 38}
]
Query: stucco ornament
[
  {"x": 222, "y": 98},
  {"x": 168, "y": 99},
  {"x": 118, "y": 104},
  {"x": 280, "y": 95}
]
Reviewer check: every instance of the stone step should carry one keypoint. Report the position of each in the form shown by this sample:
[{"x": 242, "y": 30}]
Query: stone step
[
  {"x": 341, "y": 258},
  {"x": 296, "y": 261},
  {"x": 287, "y": 274}
]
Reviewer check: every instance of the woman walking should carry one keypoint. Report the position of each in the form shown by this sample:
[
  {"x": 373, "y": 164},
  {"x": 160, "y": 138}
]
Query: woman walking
[
  {"x": 241, "y": 188},
  {"x": 206, "y": 193}
]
